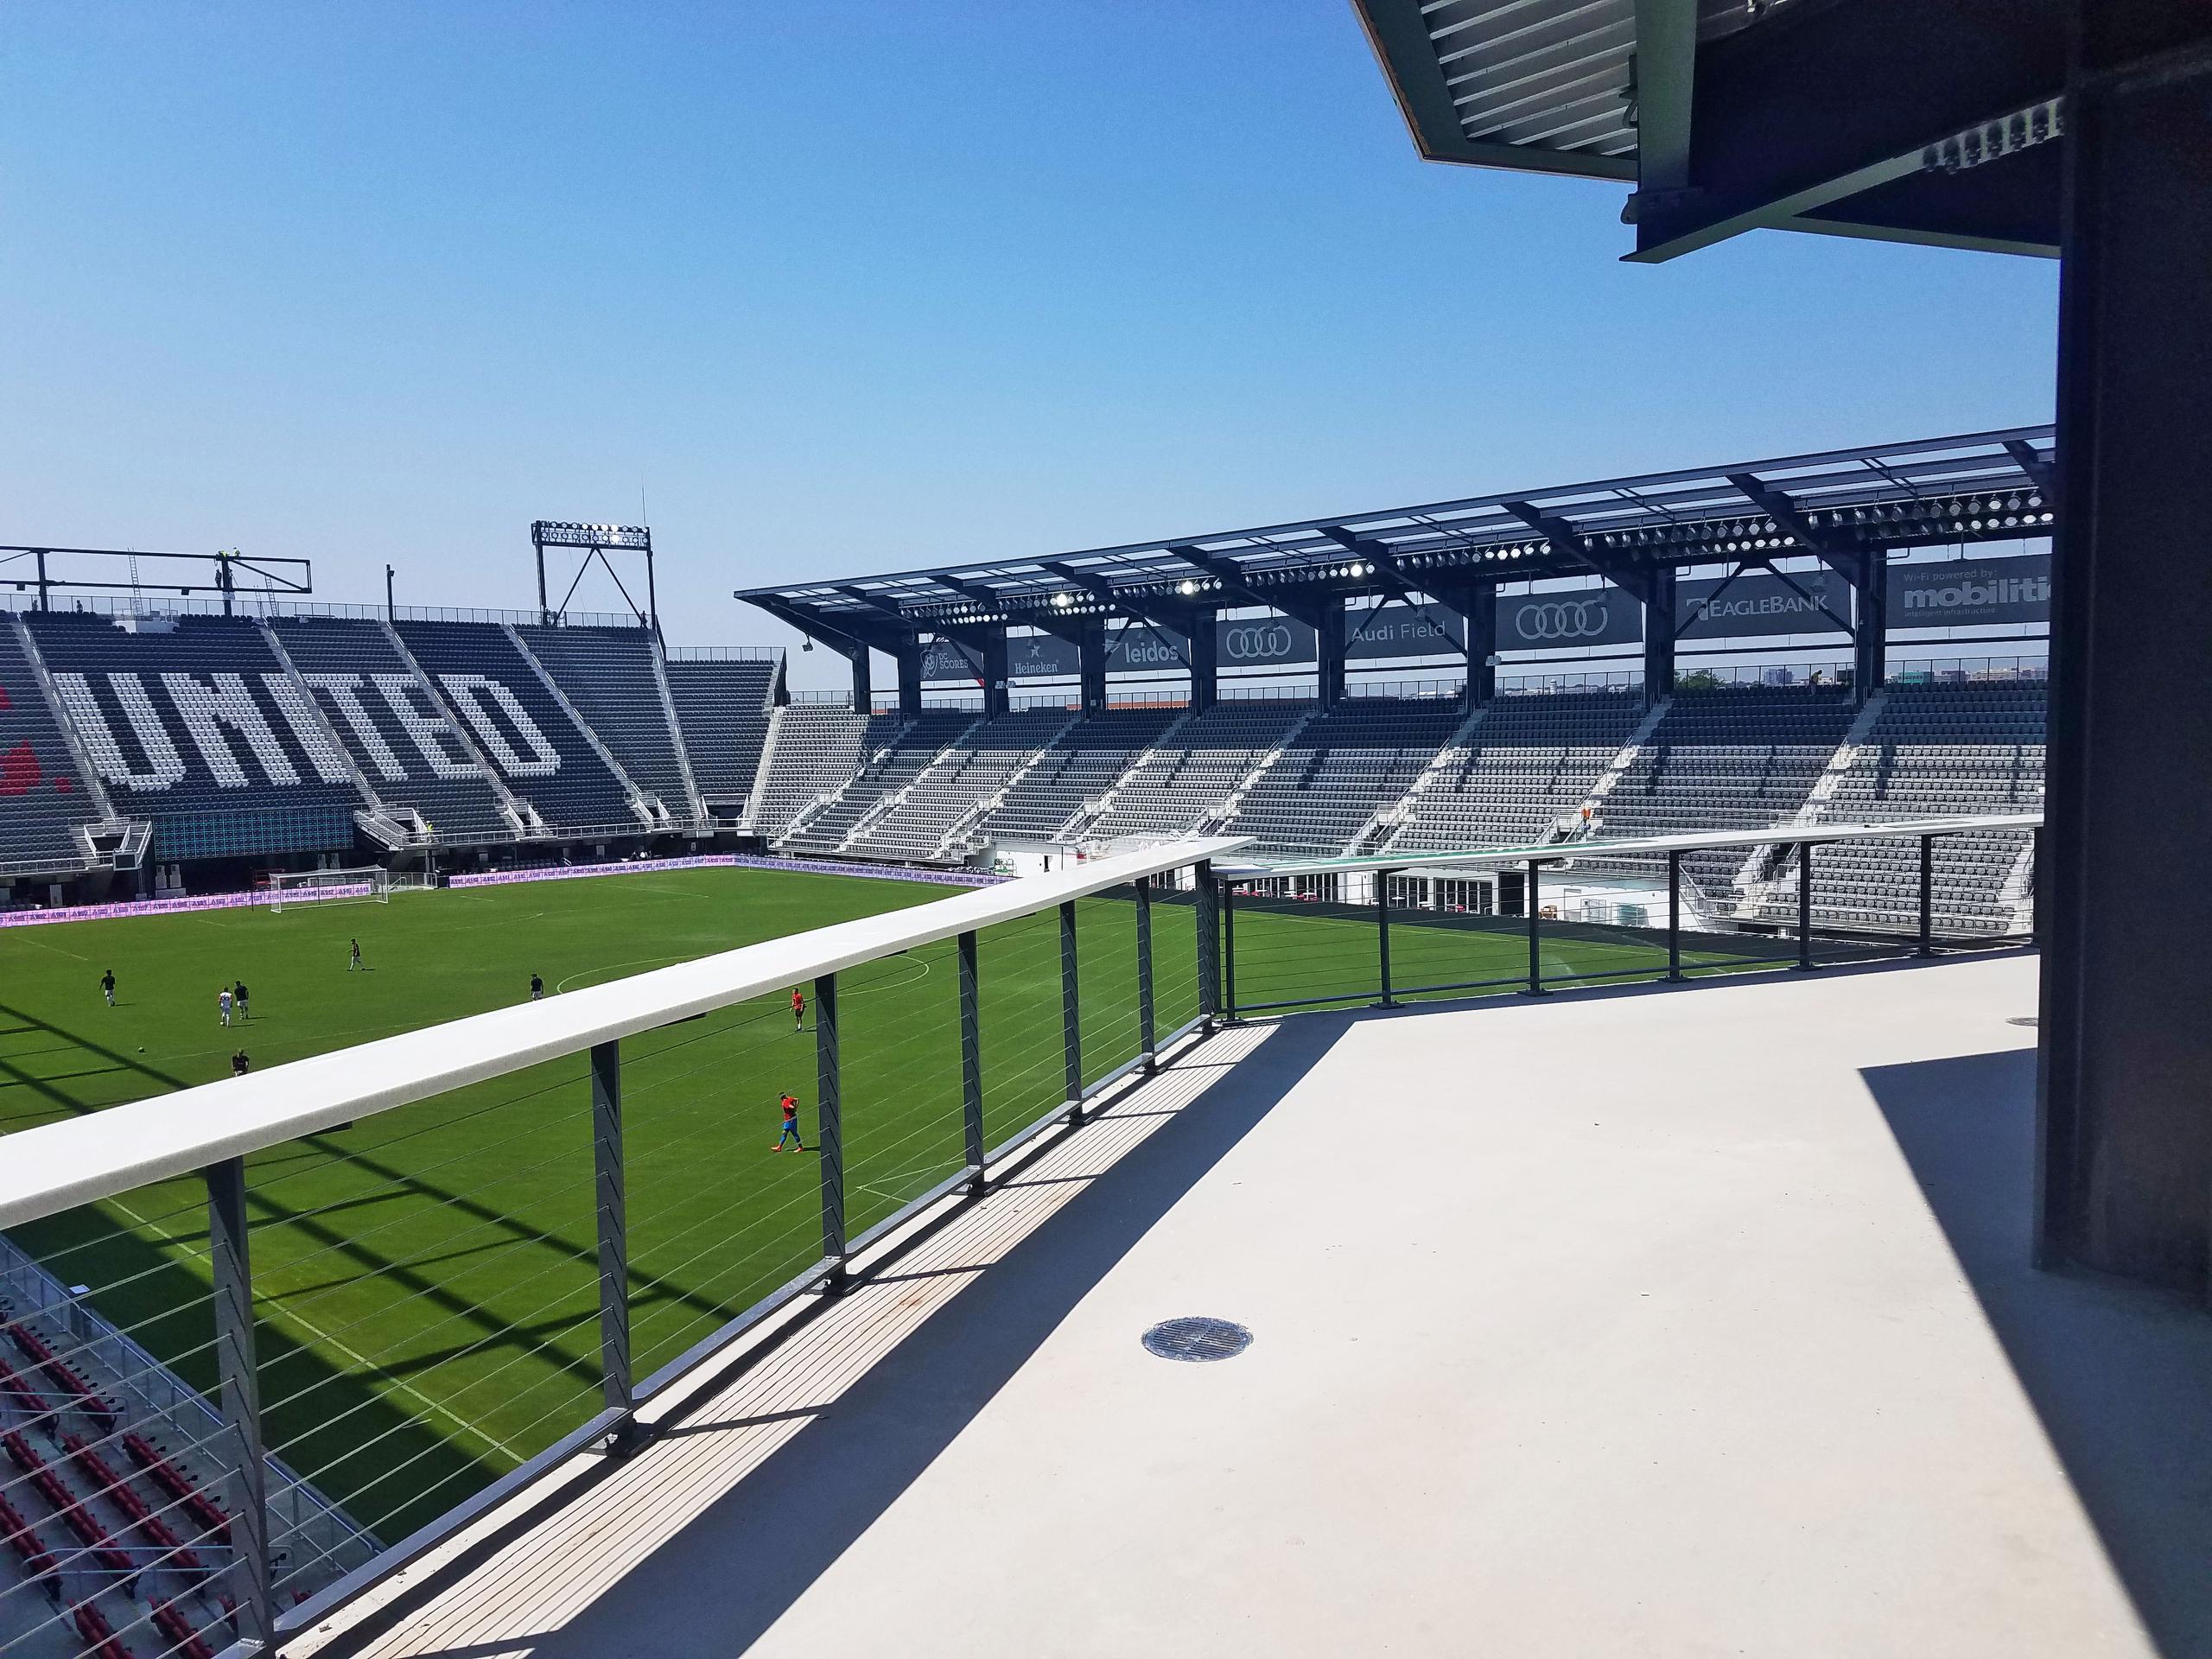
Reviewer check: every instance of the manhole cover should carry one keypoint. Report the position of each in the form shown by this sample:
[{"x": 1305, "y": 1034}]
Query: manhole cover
[
  {"x": 2021, "y": 1019},
  {"x": 1198, "y": 1340}
]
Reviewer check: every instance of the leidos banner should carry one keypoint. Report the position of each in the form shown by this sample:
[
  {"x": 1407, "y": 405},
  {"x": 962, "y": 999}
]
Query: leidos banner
[{"x": 1971, "y": 593}]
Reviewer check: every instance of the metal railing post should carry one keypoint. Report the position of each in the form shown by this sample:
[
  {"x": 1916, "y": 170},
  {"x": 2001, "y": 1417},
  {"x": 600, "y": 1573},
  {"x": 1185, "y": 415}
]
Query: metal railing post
[
  {"x": 1070, "y": 1013},
  {"x": 1228, "y": 891},
  {"x": 1146, "y": 1033},
  {"x": 1675, "y": 914},
  {"x": 2035, "y": 885},
  {"x": 829, "y": 1128},
  {"x": 1529, "y": 898},
  {"x": 971, "y": 1062},
  {"x": 1804, "y": 905},
  {"x": 232, "y": 1266},
  {"x": 1382, "y": 935},
  {"x": 614, "y": 1236},
  {"x": 1927, "y": 895},
  {"x": 1209, "y": 946}
]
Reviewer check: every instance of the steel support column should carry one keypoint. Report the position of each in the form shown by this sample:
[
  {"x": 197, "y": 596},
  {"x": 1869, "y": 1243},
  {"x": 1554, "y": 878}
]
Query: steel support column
[
  {"x": 1927, "y": 895},
  {"x": 2123, "y": 1140},
  {"x": 830, "y": 1128},
  {"x": 1147, "y": 1044},
  {"x": 909, "y": 677},
  {"x": 863, "y": 681},
  {"x": 1070, "y": 1013},
  {"x": 1870, "y": 639},
  {"x": 1205, "y": 663},
  {"x": 614, "y": 1233},
  {"x": 971, "y": 1061},
  {"x": 1092, "y": 651},
  {"x": 1478, "y": 611},
  {"x": 994, "y": 674},
  {"x": 1329, "y": 649},
  {"x": 231, "y": 1267},
  {"x": 1658, "y": 598},
  {"x": 1228, "y": 891}
]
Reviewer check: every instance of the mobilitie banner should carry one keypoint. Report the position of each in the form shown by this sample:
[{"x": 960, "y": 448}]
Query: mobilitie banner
[{"x": 1971, "y": 593}]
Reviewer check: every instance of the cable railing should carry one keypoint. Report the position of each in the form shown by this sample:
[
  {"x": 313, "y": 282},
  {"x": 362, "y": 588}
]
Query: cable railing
[
  {"x": 1386, "y": 929},
  {"x": 277, "y": 1337}
]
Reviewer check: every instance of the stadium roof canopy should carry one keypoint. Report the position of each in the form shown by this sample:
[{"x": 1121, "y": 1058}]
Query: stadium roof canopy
[
  {"x": 1977, "y": 486},
  {"x": 1911, "y": 120}
]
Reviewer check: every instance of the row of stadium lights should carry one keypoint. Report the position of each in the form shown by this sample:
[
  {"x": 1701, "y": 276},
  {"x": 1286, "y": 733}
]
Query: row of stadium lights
[{"x": 1976, "y": 513}]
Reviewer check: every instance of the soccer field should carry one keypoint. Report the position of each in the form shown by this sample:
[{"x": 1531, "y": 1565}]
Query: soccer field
[{"x": 428, "y": 1280}]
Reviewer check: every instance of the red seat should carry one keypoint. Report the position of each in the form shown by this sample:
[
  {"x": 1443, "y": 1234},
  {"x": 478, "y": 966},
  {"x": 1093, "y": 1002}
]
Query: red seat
[
  {"x": 98, "y": 1635},
  {"x": 183, "y": 1639},
  {"x": 97, "y": 1470},
  {"x": 173, "y": 1480}
]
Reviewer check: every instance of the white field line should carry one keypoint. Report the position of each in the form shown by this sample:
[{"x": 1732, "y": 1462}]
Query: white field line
[{"x": 321, "y": 1335}]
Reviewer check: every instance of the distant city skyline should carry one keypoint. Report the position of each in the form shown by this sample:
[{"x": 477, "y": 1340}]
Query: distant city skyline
[{"x": 844, "y": 288}]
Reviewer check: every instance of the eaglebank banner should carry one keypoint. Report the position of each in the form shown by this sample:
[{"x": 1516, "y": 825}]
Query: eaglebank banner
[{"x": 1759, "y": 603}]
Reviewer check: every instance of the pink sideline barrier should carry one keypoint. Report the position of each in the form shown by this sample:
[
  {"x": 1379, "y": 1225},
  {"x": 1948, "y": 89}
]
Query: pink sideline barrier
[{"x": 166, "y": 907}]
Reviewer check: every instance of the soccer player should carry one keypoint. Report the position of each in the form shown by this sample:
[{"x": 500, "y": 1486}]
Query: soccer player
[
  {"x": 791, "y": 1125},
  {"x": 238, "y": 1000},
  {"x": 355, "y": 960},
  {"x": 107, "y": 987},
  {"x": 798, "y": 1012},
  {"x": 536, "y": 988},
  {"x": 223, "y": 1005},
  {"x": 240, "y": 1065}
]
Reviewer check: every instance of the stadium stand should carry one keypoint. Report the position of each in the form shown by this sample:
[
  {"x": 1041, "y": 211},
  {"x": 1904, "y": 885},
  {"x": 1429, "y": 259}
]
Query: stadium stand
[
  {"x": 1929, "y": 750},
  {"x": 398, "y": 735},
  {"x": 1194, "y": 775},
  {"x": 916, "y": 824},
  {"x": 1734, "y": 758},
  {"x": 722, "y": 709},
  {"x": 1083, "y": 764},
  {"x": 520, "y": 726},
  {"x": 43, "y": 799},
  {"x": 610, "y": 678},
  {"x": 195, "y": 725},
  {"x": 914, "y": 746},
  {"x": 1527, "y": 762},
  {"x": 1343, "y": 768},
  {"x": 812, "y": 750}
]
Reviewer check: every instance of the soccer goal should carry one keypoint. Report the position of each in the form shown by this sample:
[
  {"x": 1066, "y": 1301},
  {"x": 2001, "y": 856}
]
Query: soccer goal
[{"x": 291, "y": 889}]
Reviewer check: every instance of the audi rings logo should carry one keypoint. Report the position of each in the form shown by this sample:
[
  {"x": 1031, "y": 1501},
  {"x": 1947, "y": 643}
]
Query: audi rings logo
[
  {"x": 1262, "y": 643},
  {"x": 1571, "y": 619}
]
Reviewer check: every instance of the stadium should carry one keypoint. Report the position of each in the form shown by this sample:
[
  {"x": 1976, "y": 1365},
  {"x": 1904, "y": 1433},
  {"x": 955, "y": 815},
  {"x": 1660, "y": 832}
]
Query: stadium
[{"x": 409, "y": 1013}]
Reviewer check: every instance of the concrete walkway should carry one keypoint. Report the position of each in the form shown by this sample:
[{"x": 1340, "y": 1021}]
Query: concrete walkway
[{"x": 1649, "y": 1324}]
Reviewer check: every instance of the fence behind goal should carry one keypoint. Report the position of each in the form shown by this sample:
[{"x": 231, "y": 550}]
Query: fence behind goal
[
  {"x": 278, "y": 1336},
  {"x": 369, "y": 885}
]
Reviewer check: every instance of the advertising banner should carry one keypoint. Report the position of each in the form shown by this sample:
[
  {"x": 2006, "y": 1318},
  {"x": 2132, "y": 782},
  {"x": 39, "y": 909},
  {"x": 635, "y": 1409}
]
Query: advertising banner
[
  {"x": 1757, "y": 603},
  {"x": 1578, "y": 616},
  {"x": 1401, "y": 629},
  {"x": 1971, "y": 593}
]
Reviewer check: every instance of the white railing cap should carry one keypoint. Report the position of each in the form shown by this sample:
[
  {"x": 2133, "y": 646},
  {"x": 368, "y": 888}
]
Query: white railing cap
[
  {"x": 1780, "y": 835},
  {"x": 77, "y": 1160}
]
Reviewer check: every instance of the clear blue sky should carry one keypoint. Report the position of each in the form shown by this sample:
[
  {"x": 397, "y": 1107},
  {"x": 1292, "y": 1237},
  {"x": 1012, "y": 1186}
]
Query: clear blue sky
[{"x": 854, "y": 286}]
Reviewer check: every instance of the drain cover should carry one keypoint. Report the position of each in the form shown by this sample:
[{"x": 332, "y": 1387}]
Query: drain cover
[
  {"x": 2021, "y": 1019},
  {"x": 1197, "y": 1339}
]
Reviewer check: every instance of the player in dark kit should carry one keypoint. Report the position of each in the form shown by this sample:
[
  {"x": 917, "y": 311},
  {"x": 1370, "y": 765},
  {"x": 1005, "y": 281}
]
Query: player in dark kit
[
  {"x": 107, "y": 987},
  {"x": 237, "y": 998},
  {"x": 536, "y": 988},
  {"x": 791, "y": 1125}
]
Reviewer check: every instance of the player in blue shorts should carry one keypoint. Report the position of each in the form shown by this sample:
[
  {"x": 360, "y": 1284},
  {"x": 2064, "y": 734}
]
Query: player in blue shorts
[{"x": 791, "y": 1126}]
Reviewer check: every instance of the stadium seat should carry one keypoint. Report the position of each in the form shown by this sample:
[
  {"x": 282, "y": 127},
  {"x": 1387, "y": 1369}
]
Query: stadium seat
[
  {"x": 42, "y": 796},
  {"x": 195, "y": 725},
  {"x": 722, "y": 707},
  {"x": 611, "y": 677}
]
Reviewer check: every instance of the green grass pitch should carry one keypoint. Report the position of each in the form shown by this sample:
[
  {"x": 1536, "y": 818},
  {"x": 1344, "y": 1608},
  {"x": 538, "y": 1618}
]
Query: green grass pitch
[{"x": 428, "y": 1279}]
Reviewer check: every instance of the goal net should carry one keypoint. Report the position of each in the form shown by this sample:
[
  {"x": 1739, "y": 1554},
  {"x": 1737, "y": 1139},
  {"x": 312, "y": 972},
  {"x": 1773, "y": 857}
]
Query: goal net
[{"x": 293, "y": 889}]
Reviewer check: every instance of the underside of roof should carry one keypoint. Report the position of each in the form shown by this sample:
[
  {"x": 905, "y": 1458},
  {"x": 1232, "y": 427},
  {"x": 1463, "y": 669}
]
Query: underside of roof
[{"x": 1913, "y": 120}]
